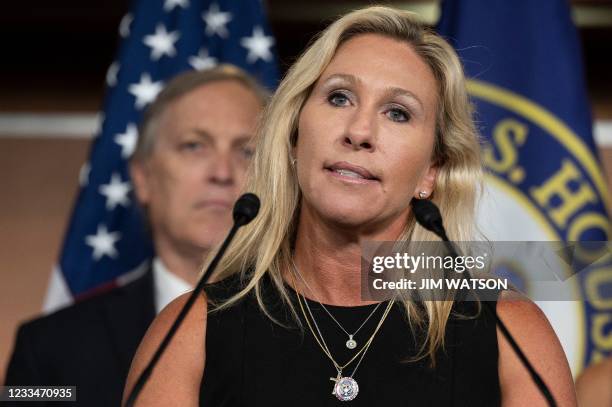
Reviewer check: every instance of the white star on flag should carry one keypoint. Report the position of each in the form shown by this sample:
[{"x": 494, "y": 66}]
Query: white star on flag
[
  {"x": 84, "y": 174},
  {"x": 103, "y": 243},
  {"x": 202, "y": 61},
  {"x": 171, "y": 4},
  {"x": 111, "y": 74},
  {"x": 145, "y": 91},
  {"x": 127, "y": 140},
  {"x": 162, "y": 42},
  {"x": 124, "y": 25},
  {"x": 258, "y": 45},
  {"x": 216, "y": 20},
  {"x": 116, "y": 192}
]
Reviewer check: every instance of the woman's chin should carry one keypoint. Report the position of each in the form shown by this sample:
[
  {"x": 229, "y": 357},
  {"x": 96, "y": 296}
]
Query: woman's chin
[
  {"x": 349, "y": 217},
  {"x": 342, "y": 210}
]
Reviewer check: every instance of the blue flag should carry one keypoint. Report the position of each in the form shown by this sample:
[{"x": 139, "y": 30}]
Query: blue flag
[
  {"x": 526, "y": 80},
  {"x": 160, "y": 38}
]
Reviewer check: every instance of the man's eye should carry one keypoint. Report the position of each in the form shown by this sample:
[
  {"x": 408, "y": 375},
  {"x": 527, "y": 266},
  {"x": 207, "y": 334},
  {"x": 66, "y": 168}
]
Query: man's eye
[
  {"x": 247, "y": 152},
  {"x": 191, "y": 146},
  {"x": 398, "y": 115},
  {"x": 338, "y": 99}
]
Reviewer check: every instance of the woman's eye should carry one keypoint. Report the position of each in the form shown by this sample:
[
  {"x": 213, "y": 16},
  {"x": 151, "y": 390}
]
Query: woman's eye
[
  {"x": 338, "y": 99},
  {"x": 398, "y": 115}
]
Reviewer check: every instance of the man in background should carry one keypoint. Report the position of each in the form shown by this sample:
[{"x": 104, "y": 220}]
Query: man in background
[{"x": 187, "y": 171}]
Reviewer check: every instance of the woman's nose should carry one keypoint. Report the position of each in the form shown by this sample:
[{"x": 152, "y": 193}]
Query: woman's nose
[{"x": 360, "y": 131}]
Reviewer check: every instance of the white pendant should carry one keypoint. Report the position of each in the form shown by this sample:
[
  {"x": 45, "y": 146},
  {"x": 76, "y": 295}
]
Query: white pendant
[
  {"x": 346, "y": 389},
  {"x": 351, "y": 343}
]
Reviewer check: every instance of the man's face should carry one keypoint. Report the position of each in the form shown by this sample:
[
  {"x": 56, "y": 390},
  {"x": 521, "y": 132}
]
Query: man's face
[{"x": 198, "y": 164}]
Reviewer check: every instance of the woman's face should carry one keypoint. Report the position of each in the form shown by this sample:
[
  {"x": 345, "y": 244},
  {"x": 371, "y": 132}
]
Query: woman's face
[{"x": 366, "y": 134}]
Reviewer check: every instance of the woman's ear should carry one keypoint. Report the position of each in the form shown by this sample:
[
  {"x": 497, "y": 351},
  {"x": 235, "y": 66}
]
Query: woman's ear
[
  {"x": 293, "y": 154},
  {"x": 427, "y": 184}
]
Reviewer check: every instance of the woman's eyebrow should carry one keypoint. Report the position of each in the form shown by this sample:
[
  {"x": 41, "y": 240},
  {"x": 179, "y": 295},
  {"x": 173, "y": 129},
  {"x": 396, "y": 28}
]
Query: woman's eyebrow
[
  {"x": 351, "y": 79},
  {"x": 392, "y": 92}
]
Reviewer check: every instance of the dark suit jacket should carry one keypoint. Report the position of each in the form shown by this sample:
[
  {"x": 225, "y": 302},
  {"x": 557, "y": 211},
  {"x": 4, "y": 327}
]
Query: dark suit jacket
[{"x": 89, "y": 345}]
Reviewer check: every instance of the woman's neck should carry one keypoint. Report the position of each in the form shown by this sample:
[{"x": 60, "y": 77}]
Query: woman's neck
[{"x": 328, "y": 259}]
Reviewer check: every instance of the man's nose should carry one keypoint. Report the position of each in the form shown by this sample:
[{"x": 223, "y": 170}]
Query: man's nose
[
  {"x": 222, "y": 169},
  {"x": 360, "y": 131}
]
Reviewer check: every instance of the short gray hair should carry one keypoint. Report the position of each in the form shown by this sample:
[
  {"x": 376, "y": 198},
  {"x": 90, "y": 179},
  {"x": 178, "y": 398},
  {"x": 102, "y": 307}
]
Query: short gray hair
[{"x": 181, "y": 85}]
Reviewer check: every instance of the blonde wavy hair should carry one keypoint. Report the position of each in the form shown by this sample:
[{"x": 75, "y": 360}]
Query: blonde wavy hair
[{"x": 265, "y": 245}]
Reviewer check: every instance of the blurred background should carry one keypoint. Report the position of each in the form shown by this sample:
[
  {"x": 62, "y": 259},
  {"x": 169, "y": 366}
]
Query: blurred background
[{"x": 55, "y": 56}]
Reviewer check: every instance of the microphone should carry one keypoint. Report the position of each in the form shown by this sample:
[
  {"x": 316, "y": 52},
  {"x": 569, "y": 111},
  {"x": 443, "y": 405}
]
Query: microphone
[
  {"x": 428, "y": 216},
  {"x": 245, "y": 210}
]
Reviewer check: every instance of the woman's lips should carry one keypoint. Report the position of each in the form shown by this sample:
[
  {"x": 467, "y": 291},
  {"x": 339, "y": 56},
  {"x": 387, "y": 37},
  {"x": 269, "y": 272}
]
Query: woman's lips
[
  {"x": 350, "y": 177},
  {"x": 351, "y": 173}
]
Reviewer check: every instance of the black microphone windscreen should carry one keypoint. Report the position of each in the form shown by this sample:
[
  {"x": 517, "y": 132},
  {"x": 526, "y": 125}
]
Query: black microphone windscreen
[
  {"x": 246, "y": 208},
  {"x": 427, "y": 214}
]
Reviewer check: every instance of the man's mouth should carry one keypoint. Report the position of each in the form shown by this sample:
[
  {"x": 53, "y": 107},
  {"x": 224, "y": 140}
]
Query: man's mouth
[{"x": 214, "y": 203}]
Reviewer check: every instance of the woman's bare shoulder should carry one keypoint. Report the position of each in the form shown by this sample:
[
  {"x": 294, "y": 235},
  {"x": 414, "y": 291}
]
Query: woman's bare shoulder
[
  {"x": 536, "y": 337},
  {"x": 178, "y": 373},
  {"x": 593, "y": 384},
  {"x": 514, "y": 307}
]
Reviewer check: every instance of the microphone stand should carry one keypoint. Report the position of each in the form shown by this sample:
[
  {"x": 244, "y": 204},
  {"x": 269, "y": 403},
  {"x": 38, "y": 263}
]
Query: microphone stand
[
  {"x": 245, "y": 210},
  {"x": 428, "y": 215}
]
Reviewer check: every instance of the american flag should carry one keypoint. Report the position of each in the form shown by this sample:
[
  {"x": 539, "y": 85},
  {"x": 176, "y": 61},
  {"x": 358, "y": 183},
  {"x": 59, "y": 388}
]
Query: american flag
[{"x": 106, "y": 237}]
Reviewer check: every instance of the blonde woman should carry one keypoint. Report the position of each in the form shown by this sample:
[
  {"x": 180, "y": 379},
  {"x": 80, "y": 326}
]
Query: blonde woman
[{"x": 374, "y": 113}]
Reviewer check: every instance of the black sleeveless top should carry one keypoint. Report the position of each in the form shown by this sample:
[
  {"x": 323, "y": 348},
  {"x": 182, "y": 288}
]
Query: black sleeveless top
[{"x": 252, "y": 361}]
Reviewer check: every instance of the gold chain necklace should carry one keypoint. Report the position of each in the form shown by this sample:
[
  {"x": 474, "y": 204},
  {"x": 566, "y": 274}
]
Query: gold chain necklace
[
  {"x": 345, "y": 388},
  {"x": 351, "y": 343}
]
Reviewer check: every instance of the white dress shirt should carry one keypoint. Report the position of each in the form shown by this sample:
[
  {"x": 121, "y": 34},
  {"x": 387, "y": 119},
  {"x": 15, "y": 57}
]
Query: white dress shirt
[{"x": 167, "y": 285}]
